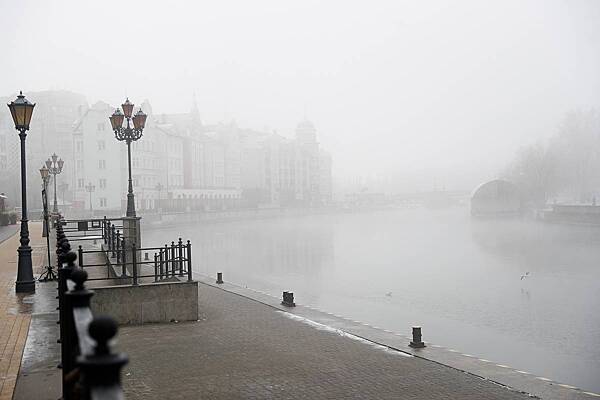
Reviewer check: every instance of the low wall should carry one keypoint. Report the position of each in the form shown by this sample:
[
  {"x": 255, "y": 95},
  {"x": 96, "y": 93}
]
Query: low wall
[
  {"x": 146, "y": 303},
  {"x": 573, "y": 214}
]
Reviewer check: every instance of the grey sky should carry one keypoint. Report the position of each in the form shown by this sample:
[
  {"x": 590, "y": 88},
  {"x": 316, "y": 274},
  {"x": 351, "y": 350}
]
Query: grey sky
[{"x": 445, "y": 89}]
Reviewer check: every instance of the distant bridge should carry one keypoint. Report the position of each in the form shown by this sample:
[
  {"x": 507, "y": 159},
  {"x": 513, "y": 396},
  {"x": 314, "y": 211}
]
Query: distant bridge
[{"x": 497, "y": 197}]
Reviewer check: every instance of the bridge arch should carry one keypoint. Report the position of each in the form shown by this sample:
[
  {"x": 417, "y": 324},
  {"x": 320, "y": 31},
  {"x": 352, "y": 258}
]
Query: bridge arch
[{"x": 497, "y": 197}]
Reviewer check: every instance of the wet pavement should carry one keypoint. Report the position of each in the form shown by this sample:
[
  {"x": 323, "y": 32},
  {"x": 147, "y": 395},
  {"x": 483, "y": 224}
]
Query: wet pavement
[
  {"x": 519, "y": 381},
  {"x": 244, "y": 349},
  {"x": 15, "y": 309},
  {"x": 7, "y": 231},
  {"x": 39, "y": 377}
]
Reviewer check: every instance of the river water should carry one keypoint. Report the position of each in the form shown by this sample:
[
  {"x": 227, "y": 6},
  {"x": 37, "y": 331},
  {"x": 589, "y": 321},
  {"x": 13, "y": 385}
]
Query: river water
[{"x": 460, "y": 279}]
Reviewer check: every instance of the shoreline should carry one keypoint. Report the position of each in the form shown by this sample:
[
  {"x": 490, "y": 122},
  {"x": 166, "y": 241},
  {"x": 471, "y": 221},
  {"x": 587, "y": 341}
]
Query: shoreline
[
  {"x": 155, "y": 221},
  {"x": 499, "y": 374}
]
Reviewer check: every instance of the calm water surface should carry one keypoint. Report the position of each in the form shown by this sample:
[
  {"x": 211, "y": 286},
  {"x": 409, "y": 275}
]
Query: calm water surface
[{"x": 458, "y": 278}]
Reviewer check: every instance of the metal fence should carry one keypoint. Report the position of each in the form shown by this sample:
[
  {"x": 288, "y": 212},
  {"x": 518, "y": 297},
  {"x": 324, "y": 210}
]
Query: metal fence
[
  {"x": 91, "y": 229},
  {"x": 130, "y": 263},
  {"x": 168, "y": 261},
  {"x": 90, "y": 370}
]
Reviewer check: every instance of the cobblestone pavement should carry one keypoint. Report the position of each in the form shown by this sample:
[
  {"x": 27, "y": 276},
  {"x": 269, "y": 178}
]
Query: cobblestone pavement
[
  {"x": 15, "y": 309},
  {"x": 242, "y": 349}
]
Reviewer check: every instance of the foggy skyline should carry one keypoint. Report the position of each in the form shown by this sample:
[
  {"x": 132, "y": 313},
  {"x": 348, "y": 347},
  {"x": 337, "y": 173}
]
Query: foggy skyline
[{"x": 444, "y": 91}]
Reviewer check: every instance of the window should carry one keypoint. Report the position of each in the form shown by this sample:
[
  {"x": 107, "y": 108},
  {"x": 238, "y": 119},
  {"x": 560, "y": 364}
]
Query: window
[
  {"x": 79, "y": 146},
  {"x": 102, "y": 183},
  {"x": 101, "y": 126},
  {"x": 79, "y": 165},
  {"x": 101, "y": 145},
  {"x": 80, "y": 183},
  {"x": 102, "y": 164},
  {"x": 103, "y": 202}
]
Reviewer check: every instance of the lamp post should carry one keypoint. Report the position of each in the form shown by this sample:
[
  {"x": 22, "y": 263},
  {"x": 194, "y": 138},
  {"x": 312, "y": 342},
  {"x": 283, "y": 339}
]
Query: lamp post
[
  {"x": 45, "y": 179},
  {"x": 22, "y": 110},
  {"x": 90, "y": 189},
  {"x": 48, "y": 274},
  {"x": 54, "y": 167},
  {"x": 128, "y": 134}
]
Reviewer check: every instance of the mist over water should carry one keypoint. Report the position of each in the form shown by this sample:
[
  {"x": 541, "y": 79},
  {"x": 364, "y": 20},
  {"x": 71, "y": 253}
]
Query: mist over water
[
  {"x": 328, "y": 108},
  {"x": 458, "y": 278}
]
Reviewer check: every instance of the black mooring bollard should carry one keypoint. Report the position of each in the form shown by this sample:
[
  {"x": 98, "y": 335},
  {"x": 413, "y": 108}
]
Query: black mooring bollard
[
  {"x": 146, "y": 256},
  {"x": 219, "y": 277},
  {"x": 416, "y": 342},
  {"x": 288, "y": 299}
]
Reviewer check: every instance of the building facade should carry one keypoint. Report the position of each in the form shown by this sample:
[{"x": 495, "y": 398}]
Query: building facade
[{"x": 179, "y": 163}]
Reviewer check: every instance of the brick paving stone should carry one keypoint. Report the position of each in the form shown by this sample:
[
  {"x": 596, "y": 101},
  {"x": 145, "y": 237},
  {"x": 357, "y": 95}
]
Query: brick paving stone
[
  {"x": 15, "y": 313},
  {"x": 242, "y": 349}
]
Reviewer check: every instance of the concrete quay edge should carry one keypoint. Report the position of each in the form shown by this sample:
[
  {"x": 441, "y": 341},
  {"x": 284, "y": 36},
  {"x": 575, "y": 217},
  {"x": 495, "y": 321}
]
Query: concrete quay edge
[{"x": 503, "y": 375}]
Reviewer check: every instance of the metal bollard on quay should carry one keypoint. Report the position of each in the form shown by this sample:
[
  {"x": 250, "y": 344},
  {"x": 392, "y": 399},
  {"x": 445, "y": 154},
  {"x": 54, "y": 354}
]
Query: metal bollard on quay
[
  {"x": 219, "y": 278},
  {"x": 417, "y": 341},
  {"x": 288, "y": 299}
]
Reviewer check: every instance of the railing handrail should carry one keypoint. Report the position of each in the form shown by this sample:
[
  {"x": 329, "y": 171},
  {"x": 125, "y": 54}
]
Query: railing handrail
[
  {"x": 168, "y": 260},
  {"x": 95, "y": 219},
  {"x": 89, "y": 368}
]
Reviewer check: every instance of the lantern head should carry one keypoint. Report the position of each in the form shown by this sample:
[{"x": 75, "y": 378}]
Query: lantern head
[
  {"x": 139, "y": 119},
  {"x": 44, "y": 173},
  {"x": 127, "y": 108},
  {"x": 116, "y": 119},
  {"x": 21, "y": 110}
]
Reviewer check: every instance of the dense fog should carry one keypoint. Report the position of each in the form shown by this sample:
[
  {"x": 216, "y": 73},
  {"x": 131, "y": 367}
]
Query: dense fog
[
  {"x": 411, "y": 94},
  {"x": 400, "y": 163}
]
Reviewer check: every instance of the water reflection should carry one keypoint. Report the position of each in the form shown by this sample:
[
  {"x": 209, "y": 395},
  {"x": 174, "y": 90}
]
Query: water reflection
[
  {"x": 282, "y": 247},
  {"x": 459, "y": 278}
]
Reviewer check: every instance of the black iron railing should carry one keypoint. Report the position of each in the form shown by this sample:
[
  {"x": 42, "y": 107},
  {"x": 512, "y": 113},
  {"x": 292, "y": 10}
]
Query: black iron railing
[
  {"x": 134, "y": 263},
  {"x": 92, "y": 229},
  {"x": 89, "y": 368},
  {"x": 130, "y": 263}
]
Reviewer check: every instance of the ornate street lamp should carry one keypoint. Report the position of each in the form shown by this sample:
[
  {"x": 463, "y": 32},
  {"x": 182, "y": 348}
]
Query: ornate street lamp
[
  {"x": 48, "y": 274},
  {"x": 128, "y": 134},
  {"x": 45, "y": 173},
  {"x": 22, "y": 110},
  {"x": 90, "y": 189},
  {"x": 54, "y": 167}
]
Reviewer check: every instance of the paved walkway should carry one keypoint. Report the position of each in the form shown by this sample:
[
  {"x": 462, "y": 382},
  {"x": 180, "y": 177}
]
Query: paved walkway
[
  {"x": 15, "y": 310},
  {"x": 242, "y": 349},
  {"x": 39, "y": 378},
  {"x": 7, "y": 231}
]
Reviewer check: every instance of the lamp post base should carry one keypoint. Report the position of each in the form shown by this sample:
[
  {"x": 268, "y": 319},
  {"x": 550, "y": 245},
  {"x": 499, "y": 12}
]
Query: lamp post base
[
  {"x": 132, "y": 232},
  {"x": 25, "y": 287},
  {"x": 25, "y": 280},
  {"x": 130, "y": 205}
]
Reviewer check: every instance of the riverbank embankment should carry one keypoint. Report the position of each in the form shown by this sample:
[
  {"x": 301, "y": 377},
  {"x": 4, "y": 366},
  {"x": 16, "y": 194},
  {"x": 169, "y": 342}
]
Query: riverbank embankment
[
  {"x": 246, "y": 345},
  {"x": 245, "y": 349}
]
